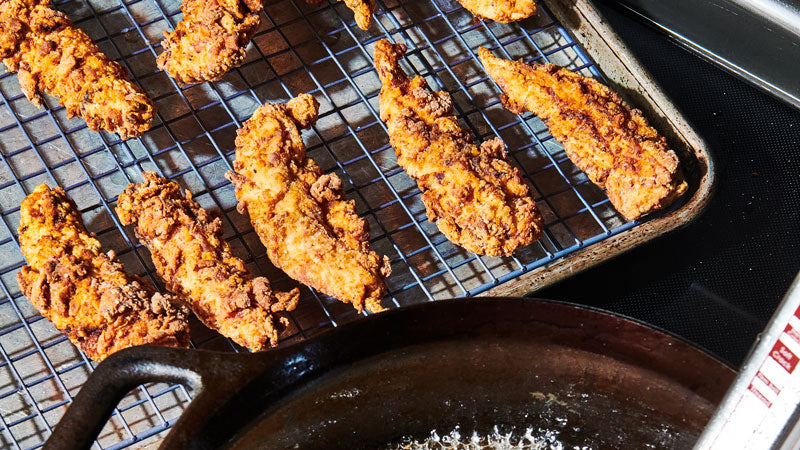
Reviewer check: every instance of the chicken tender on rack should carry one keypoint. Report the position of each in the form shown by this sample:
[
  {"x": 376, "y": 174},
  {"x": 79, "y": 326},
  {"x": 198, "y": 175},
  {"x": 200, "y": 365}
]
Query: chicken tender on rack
[
  {"x": 311, "y": 231},
  {"x": 606, "y": 139},
  {"x": 52, "y": 56},
  {"x": 198, "y": 265},
  {"x": 504, "y": 11},
  {"x": 478, "y": 200},
  {"x": 85, "y": 293},
  {"x": 212, "y": 37},
  {"x": 210, "y": 40},
  {"x": 362, "y": 10}
]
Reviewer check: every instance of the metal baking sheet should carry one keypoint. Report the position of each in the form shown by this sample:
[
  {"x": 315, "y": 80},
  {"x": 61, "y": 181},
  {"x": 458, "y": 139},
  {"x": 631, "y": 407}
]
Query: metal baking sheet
[{"x": 303, "y": 48}]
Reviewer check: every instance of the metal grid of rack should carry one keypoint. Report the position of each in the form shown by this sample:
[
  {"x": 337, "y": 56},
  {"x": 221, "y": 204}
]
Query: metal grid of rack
[{"x": 299, "y": 48}]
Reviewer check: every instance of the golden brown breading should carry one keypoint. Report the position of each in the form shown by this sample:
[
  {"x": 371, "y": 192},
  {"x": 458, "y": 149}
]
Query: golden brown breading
[
  {"x": 196, "y": 263},
  {"x": 85, "y": 293},
  {"x": 362, "y": 10},
  {"x": 605, "y": 138},
  {"x": 504, "y": 11},
  {"x": 212, "y": 37},
  {"x": 52, "y": 56},
  {"x": 210, "y": 40},
  {"x": 478, "y": 200},
  {"x": 308, "y": 227}
]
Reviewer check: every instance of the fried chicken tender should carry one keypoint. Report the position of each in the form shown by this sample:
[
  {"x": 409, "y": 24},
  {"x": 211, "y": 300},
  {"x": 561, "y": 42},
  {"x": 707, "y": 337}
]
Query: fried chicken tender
[
  {"x": 85, "y": 293},
  {"x": 198, "y": 265},
  {"x": 477, "y": 199},
  {"x": 362, "y": 10},
  {"x": 606, "y": 139},
  {"x": 310, "y": 230},
  {"x": 53, "y": 56},
  {"x": 212, "y": 37},
  {"x": 504, "y": 11},
  {"x": 210, "y": 40}
]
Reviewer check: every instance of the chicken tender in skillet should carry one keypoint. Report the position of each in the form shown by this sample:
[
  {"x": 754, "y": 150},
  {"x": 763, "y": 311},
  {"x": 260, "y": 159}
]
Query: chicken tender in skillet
[
  {"x": 198, "y": 265},
  {"x": 504, "y": 11},
  {"x": 478, "y": 200},
  {"x": 51, "y": 55},
  {"x": 606, "y": 139},
  {"x": 85, "y": 293},
  {"x": 309, "y": 228}
]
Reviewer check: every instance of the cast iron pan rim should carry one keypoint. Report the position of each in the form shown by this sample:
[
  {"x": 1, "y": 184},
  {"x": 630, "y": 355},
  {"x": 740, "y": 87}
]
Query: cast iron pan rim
[
  {"x": 218, "y": 377},
  {"x": 563, "y": 307},
  {"x": 488, "y": 300}
]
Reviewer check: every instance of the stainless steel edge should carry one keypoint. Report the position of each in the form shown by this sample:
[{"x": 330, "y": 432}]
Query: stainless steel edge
[
  {"x": 730, "y": 66},
  {"x": 757, "y": 40},
  {"x": 740, "y": 422}
]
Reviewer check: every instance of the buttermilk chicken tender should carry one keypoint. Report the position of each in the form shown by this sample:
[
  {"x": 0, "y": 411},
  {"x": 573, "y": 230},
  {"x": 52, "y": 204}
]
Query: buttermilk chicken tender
[
  {"x": 311, "y": 231},
  {"x": 84, "y": 292},
  {"x": 50, "y": 55},
  {"x": 212, "y": 37},
  {"x": 198, "y": 265},
  {"x": 504, "y": 11},
  {"x": 478, "y": 200},
  {"x": 210, "y": 40},
  {"x": 606, "y": 139},
  {"x": 362, "y": 10}
]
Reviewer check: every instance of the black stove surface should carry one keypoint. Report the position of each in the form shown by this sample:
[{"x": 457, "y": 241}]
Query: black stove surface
[{"x": 717, "y": 281}]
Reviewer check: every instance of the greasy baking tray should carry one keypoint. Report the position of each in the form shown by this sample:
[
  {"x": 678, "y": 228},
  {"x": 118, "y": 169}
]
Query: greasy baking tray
[{"x": 302, "y": 48}]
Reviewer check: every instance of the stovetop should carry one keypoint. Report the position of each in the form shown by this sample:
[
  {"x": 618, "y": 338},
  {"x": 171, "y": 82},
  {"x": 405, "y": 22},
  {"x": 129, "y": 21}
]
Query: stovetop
[
  {"x": 717, "y": 281},
  {"x": 756, "y": 39}
]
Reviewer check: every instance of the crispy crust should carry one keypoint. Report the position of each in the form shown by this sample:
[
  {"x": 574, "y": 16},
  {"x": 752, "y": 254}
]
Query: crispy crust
[
  {"x": 476, "y": 197},
  {"x": 210, "y": 40},
  {"x": 51, "y": 55},
  {"x": 362, "y": 10},
  {"x": 197, "y": 264},
  {"x": 504, "y": 11},
  {"x": 86, "y": 293},
  {"x": 311, "y": 231},
  {"x": 610, "y": 142},
  {"x": 212, "y": 37}
]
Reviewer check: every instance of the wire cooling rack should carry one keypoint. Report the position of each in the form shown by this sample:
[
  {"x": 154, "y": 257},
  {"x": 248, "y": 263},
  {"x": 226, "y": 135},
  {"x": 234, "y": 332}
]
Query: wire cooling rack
[{"x": 299, "y": 48}]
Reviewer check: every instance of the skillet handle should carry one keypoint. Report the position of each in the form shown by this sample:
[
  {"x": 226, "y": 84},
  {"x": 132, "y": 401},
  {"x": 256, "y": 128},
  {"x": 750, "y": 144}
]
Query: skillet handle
[{"x": 120, "y": 373}]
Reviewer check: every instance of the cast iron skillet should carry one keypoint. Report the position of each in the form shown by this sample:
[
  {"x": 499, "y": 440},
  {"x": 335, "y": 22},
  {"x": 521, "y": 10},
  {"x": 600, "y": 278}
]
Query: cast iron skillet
[{"x": 586, "y": 376}]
